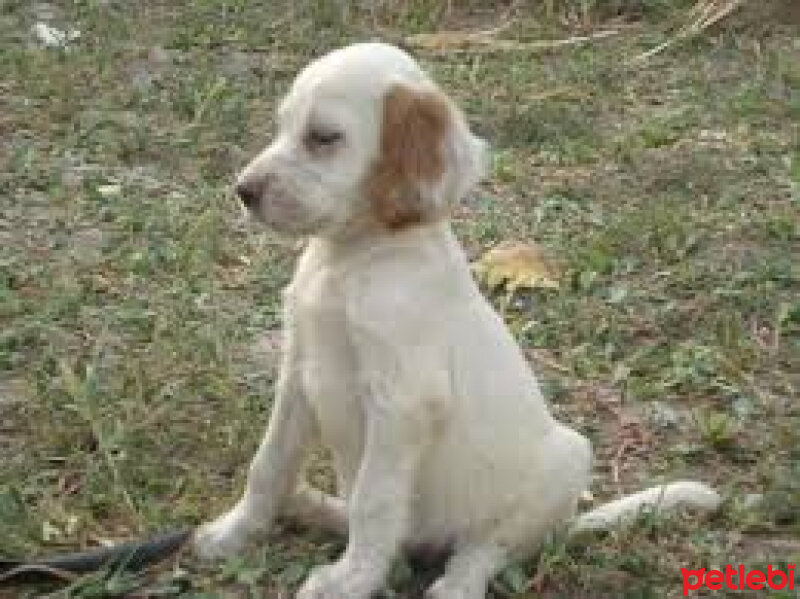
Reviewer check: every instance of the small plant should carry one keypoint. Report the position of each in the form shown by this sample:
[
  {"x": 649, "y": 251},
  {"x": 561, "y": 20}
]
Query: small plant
[{"x": 717, "y": 429}]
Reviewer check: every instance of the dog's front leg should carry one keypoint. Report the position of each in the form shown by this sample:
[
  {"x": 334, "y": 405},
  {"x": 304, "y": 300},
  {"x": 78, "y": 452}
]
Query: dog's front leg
[
  {"x": 378, "y": 509},
  {"x": 273, "y": 471}
]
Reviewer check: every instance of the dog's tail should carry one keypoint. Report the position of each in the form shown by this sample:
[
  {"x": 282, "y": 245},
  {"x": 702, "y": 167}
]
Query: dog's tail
[{"x": 689, "y": 494}]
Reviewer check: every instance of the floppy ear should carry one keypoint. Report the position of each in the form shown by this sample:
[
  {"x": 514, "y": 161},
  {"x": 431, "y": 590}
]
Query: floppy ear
[
  {"x": 467, "y": 159},
  {"x": 427, "y": 158}
]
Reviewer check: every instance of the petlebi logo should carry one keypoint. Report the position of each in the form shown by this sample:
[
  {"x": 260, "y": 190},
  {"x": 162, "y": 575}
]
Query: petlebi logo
[{"x": 738, "y": 579}]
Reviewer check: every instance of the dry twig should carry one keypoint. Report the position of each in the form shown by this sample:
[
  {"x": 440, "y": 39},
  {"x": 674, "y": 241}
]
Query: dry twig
[
  {"x": 703, "y": 15},
  {"x": 484, "y": 42}
]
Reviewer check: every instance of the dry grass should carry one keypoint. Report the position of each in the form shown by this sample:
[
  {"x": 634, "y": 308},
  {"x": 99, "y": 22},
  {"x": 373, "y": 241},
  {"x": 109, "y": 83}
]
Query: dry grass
[{"x": 700, "y": 17}]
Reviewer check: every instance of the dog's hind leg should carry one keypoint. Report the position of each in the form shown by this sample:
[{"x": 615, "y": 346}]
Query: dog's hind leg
[{"x": 310, "y": 507}]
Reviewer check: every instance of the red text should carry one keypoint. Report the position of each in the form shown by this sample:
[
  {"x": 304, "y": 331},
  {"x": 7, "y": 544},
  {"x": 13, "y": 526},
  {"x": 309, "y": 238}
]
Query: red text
[{"x": 737, "y": 579}]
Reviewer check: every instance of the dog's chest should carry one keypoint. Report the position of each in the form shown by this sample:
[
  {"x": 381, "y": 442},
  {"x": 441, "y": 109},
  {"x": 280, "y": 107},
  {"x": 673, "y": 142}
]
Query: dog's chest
[{"x": 328, "y": 365}]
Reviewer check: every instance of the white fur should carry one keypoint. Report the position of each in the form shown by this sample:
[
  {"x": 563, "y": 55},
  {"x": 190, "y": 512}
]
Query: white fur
[
  {"x": 438, "y": 429},
  {"x": 664, "y": 497}
]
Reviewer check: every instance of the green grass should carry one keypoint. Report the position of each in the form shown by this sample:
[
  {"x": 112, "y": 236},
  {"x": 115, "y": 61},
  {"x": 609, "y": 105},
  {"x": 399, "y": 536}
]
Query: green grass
[{"x": 132, "y": 292}]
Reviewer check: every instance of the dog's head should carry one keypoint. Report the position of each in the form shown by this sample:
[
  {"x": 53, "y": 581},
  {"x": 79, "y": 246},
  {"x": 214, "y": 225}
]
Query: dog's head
[{"x": 364, "y": 137}]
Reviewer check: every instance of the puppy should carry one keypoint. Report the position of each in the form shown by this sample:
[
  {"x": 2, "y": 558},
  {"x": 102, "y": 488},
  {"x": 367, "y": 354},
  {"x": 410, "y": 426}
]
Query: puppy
[{"x": 439, "y": 433}]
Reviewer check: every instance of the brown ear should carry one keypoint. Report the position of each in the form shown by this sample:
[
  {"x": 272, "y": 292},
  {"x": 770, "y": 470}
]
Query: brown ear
[{"x": 411, "y": 155}]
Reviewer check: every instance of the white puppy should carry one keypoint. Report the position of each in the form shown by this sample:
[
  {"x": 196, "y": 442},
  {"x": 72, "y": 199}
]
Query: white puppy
[{"x": 438, "y": 430}]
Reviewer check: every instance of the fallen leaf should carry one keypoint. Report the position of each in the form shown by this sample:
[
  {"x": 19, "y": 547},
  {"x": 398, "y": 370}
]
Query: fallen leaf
[{"x": 516, "y": 265}]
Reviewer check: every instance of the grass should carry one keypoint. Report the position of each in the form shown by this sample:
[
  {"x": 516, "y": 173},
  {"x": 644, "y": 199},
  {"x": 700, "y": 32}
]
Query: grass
[{"x": 133, "y": 296}]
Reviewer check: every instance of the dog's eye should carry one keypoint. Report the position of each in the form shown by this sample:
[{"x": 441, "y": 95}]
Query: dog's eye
[{"x": 318, "y": 138}]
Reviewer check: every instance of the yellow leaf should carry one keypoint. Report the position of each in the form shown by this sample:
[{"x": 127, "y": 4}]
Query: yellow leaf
[{"x": 516, "y": 265}]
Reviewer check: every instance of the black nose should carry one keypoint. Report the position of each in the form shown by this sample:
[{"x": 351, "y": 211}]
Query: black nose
[{"x": 250, "y": 192}]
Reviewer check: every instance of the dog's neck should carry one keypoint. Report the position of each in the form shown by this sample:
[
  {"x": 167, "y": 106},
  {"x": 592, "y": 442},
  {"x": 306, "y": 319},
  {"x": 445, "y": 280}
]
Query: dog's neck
[
  {"x": 365, "y": 238},
  {"x": 430, "y": 241}
]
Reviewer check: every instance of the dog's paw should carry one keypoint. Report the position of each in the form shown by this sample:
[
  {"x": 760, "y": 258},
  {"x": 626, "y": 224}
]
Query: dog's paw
[
  {"x": 225, "y": 536},
  {"x": 442, "y": 590},
  {"x": 338, "y": 581}
]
